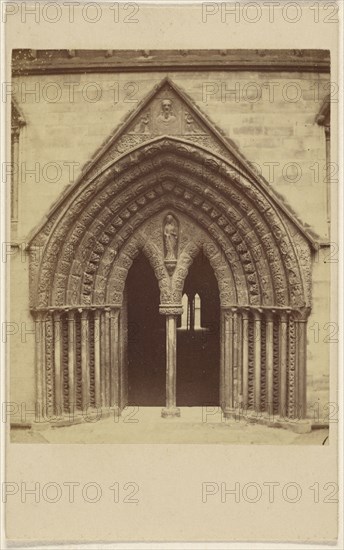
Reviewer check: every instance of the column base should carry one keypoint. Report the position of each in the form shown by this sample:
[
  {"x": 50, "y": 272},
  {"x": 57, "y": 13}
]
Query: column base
[
  {"x": 299, "y": 426},
  {"x": 170, "y": 412},
  {"x": 227, "y": 413},
  {"x": 116, "y": 411}
]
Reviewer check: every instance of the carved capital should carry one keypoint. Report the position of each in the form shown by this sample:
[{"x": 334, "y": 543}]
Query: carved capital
[
  {"x": 301, "y": 315},
  {"x": 257, "y": 314},
  {"x": 96, "y": 313},
  {"x": 15, "y": 131},
  {"x": 114, "y": 312},
  {"x": 284, "y": 315},
  {"x": 171, "y": 309},
  {"x": 84, "y": 314},
  {"x": 245, "y": 313},
  {"x": 269, "y": 315},
  {"x": 71, "y": 315}
]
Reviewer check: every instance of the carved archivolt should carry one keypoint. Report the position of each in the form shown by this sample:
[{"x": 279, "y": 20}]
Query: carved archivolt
[{"x": 75, "y": 252}]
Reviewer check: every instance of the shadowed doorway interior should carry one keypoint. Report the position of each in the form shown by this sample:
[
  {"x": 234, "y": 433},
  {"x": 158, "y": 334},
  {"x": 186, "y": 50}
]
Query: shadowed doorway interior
[
  {"x": 198, "y": 341},
  {"x": 146, "y": 337}
]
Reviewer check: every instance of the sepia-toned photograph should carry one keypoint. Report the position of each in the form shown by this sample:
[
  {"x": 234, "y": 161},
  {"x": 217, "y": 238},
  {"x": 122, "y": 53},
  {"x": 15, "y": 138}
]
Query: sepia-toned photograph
[
  {"x": 172, "y": 275},
  {"x": 171, "y": 246}
]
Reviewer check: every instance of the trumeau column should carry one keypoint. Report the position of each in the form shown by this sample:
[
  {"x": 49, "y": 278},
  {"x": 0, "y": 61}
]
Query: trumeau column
[{"x": 172, "y": 312}]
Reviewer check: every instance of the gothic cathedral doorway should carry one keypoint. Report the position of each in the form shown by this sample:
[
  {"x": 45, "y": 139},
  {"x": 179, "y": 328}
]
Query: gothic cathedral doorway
[{"x": 168, "y": 184}]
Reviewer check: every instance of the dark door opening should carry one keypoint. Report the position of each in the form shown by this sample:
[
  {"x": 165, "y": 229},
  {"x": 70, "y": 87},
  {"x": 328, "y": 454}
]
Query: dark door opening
[
  {"x": 146, "y": 337},
  {"x": 198, "y": 338}
]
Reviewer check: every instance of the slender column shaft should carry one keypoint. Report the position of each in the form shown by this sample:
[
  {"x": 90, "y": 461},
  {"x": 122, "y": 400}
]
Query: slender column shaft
[
  {"x": 15, "y": 174},
  {"x": 228, "y": 360},
  {"x": 239, "y": 358},
  {"x": 283, "y": 331},
  {"x": 102, "y": 358},
  {"x": 235, "y": 369},
  {"x": 85, "y": 378},
  {"x": 296, "y": 369},
  {"x": 107, "y": 358},
  {"x": 114, "y": 350},
  {"x": 171, "y": 348},
  {"x": 171, "y": 367},
  {"x": 222, "y": 381},
  {"x": 328, "y": 177},
  {"x": 302, "y": 359},
  {"x": 58, "y": 363},
  {"x": 40, "y": 364},
  {"x": 245, "y": 358},
  {"x": 71, "y": 360},
  {"x": 97, "y": 358},
  {"x": 269, "y": 360},
  {"x": 257, "y": 360}
]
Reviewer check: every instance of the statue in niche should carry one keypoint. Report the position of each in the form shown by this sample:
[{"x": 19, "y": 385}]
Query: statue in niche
[
  {"x": 142, "y": 126},
  {"x": 170, "y": 238},
  {"x": 190, "y": 124}
]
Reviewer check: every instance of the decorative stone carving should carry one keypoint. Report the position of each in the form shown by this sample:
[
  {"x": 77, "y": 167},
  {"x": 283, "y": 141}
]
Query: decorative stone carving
[
  {"x": 171, "y": 238},
  {"x": 166, "y": 122},
  {"x": 142, "y": 125},
  {"x": 191, "y": 126},
  {"x": 170, "y": 309}
]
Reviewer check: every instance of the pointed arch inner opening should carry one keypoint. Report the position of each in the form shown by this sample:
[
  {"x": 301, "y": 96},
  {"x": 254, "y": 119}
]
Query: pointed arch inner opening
[
  {"x": 198, "y": 337},
  {"x": 146, "y": 336}
]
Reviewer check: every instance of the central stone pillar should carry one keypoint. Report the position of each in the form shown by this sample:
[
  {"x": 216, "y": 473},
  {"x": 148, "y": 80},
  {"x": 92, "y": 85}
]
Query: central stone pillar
[{"x": 172, "y": 313}]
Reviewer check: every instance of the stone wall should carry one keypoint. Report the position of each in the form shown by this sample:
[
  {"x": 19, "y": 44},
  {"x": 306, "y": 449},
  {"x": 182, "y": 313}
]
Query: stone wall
[{"x": 270, "y": 117}]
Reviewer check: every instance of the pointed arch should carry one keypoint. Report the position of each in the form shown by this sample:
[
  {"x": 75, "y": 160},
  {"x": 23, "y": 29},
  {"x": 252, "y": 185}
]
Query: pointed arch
[{"x": 90, "y": 228}]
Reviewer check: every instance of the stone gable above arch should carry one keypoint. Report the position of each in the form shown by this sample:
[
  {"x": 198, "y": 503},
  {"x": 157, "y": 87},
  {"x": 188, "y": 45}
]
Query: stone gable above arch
[
  {"x": 167, "y": 154},
  {"x": 183, "y": 120}
]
